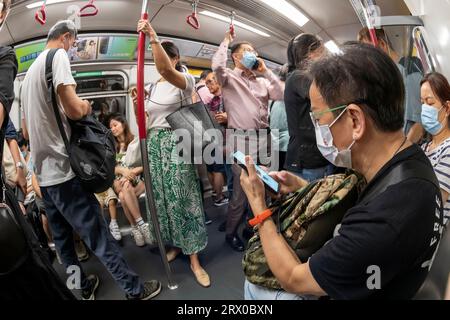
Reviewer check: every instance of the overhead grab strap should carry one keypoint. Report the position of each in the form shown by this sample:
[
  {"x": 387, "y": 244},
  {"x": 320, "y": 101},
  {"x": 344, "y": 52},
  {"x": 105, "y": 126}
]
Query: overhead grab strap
[
  {"x": 88, "y": 10},
  {"x": 232, "y": 29},
  {"x": 40, "y": 15},
  {"x": 192, "y": 19}
]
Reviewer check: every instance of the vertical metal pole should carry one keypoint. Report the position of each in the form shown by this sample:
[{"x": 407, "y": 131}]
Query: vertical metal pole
[{"x": 144, "y": 151}]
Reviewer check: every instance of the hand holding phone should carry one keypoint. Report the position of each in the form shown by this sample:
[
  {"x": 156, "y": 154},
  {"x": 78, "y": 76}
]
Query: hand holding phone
[{"x": 269, "y": 182}]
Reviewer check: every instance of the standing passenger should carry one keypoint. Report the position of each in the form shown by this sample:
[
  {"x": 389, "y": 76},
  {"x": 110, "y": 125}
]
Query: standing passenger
[
  {"x": 246, "y": 100},
  {"x": 69, "y": 207},
  {"x": 303, "y": 156},
  {"x": 177, "y": 191}
]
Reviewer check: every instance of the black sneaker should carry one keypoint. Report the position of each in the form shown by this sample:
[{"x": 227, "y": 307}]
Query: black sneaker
[
  {"x": 222, "y": 202},
  {"x": 208, "y": 220},
  {"x": 89, "y": 293},
  {"x": 151, "y": 289}
]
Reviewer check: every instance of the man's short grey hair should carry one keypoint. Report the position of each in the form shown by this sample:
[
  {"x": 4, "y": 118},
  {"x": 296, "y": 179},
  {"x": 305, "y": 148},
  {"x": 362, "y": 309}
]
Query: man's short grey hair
[{"x": 61, "y": 28}]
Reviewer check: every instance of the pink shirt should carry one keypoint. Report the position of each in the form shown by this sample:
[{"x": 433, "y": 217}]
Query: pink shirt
[
  {"x": 204, "y": 93},
  {"x": 246, "y": 99}
]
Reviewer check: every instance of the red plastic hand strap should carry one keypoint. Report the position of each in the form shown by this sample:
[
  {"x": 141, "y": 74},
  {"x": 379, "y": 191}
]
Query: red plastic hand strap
[
  {"x": 40, "y": 15},
  {"x": 192, "y": 20},
  {"x": 90, "y": 5}
]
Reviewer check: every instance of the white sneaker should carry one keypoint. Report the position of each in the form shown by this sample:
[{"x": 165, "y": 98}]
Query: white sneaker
[
  {"x": 145, "y": 231},
  {"x": 138, "y": 237},
  {"x": 115, "y": 231}
]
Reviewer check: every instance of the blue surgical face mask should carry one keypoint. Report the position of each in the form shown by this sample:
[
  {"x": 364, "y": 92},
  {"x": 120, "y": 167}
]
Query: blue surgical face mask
[
  {"x": 249, "y": 60},
  {"x": 430, "y": 119}
]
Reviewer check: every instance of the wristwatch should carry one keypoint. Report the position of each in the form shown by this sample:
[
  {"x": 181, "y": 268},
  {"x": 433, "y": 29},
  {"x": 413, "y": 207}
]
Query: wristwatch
[{"x": 19, "y": 165}]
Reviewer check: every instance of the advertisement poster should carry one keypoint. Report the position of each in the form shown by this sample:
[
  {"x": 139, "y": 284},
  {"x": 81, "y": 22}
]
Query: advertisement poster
[
  {"x": 27, "y": 54},
  {"x": 117, "y": 48},
  {"x": 84, "y": 49}
]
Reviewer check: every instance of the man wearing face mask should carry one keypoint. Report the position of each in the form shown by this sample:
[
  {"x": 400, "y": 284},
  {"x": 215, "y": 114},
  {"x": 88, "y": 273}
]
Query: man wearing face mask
[
  {"x": 68, "y": 206},
  {"x": 386, "y": 243},
  {"x": 246, "y": 100}
]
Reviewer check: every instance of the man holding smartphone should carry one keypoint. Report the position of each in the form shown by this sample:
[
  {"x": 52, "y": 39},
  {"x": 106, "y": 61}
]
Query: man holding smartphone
[{"x": 246, "y": 100}]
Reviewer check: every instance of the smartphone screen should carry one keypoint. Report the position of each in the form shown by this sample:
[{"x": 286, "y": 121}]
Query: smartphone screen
[{"x": 269, "y": 182}]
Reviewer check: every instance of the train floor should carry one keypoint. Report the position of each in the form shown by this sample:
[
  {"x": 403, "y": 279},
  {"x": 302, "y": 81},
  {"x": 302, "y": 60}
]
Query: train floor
[{"x": 223, "y": 265}]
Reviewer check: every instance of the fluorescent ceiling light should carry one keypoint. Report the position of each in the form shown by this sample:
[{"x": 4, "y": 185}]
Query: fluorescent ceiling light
[
  {"x": 288, "y": 10},
  {"x": 236, "y": 23},
  {"x": 39, "y": 4},
  {"x": 333, "y": 47}
]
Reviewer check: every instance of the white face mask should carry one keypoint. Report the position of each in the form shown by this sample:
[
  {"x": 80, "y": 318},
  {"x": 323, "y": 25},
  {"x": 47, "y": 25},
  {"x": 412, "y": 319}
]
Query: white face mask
[{"x": 324, "y": 139}]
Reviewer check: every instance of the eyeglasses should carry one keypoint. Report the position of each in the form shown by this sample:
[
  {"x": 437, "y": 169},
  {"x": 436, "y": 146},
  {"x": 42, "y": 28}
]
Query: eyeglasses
[{"x": 315, "y": 116}]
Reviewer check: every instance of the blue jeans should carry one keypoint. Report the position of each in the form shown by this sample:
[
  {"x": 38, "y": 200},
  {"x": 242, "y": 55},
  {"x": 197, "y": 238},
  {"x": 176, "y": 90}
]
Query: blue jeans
[
  {"x": 256, "y": 293},
  {"x": 69, "y": 207},
  {"x": 311, "y": 175}
]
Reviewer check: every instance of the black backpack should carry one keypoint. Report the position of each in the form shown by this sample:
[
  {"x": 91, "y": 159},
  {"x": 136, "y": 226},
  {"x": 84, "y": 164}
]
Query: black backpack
[{"x": 91, "y": 150}]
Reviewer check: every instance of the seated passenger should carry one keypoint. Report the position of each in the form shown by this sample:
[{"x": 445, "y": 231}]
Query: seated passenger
[
  {"x": 128, "y": 184},
  {"x": 435, "y": 95},
  {"x": 108, "y": 199},
  {"x": 385, "y": 244}
]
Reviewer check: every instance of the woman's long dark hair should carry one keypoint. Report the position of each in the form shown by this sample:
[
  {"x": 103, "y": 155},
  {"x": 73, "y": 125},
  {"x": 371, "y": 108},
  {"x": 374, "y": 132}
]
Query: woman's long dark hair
[
  {"x": 299, "y": 49},
  {"x": 173, "y": 52},
  {"x": 126, "y": 130}
]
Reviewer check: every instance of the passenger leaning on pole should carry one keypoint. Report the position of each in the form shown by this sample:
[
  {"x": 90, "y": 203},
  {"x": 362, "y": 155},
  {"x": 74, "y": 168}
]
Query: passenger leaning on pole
[
  {"x": 246, "y": 100},
  {"x": 69, "y": 207}
]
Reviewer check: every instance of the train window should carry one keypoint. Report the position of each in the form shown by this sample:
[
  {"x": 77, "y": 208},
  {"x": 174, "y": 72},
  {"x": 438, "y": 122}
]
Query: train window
[
  {"x": 401, "y": 42},
  {"x": 102, "y": 107},
  {"x": 100, "y": 84},
  {"x": 422, "y": 49}
]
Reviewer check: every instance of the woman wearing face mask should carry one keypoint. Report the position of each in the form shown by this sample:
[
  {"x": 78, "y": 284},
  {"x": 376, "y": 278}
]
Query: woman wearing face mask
[
  {"x": 435, "y": 95},
  {"x": 303, "y": 156},
  {"x": 177, "y": 192}
]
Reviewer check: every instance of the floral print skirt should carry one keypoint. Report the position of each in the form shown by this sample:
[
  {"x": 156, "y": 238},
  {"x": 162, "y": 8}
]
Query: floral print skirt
[{"x": 177, "y": 195}]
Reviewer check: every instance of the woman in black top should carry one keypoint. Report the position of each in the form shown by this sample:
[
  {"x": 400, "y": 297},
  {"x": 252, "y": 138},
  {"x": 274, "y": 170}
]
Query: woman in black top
[{"x": 303, "y": 156}]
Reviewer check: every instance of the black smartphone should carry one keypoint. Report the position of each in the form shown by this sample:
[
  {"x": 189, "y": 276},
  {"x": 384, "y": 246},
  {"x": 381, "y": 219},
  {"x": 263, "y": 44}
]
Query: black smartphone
[
  {"x": 269, "y": 182},
  {"x": 256, "y": 65}
]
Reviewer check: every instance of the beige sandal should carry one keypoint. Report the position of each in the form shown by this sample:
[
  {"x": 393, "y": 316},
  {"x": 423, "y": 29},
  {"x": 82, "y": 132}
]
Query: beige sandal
[{"x": 202, "y": 277}]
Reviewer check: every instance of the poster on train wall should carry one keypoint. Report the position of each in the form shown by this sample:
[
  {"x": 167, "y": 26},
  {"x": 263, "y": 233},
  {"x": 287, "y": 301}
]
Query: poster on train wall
[
  {"x": 27, "y": 54},
  {"x": 84, "y": 49},
  {"x": 117, "y": 48}
]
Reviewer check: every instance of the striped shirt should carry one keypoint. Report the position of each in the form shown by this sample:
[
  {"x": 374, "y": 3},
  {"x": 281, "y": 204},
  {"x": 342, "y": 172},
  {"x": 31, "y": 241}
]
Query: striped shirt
[{"x": 440, "y": 159}]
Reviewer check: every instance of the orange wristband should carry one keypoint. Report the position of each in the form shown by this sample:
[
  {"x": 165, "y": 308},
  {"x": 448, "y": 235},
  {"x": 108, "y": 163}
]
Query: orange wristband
[{"x": 261, "y": 218}]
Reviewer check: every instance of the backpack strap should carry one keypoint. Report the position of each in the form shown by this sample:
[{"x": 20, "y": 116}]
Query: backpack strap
[
  {"x": 52, "y": 94},
  {"x": 405, "y": 170}
]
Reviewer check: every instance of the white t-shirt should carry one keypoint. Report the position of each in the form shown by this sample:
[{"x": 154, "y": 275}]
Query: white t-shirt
[
  {"x": 51, "y": 161},
  {"x": 168, "y": 99}
]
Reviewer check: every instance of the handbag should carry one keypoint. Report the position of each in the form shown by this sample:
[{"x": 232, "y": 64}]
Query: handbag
[
  {"x": 91, "y": 149},
  {"x": 197, "y": 120}
]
